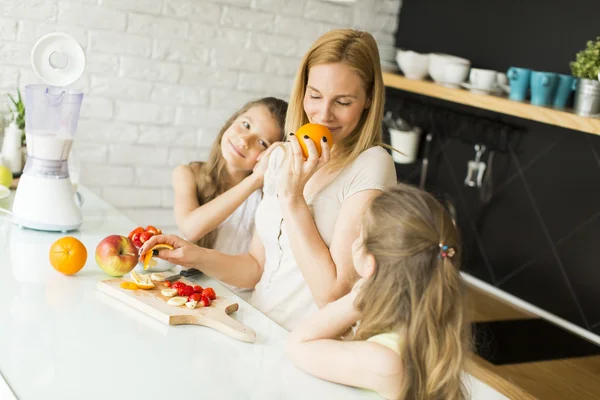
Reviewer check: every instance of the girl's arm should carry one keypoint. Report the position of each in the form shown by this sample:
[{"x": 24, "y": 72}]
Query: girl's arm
[
  {"x": 314, "y": 348},
  {"x": 195, "y": 220},
  {"x": 243, "y": 270}
]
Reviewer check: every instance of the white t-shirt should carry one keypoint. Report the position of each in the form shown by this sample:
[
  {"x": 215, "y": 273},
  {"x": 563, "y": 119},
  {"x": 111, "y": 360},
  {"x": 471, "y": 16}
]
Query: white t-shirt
[
  {"x": 282, "y": 293},
  {"x": 235, "y": 234}
]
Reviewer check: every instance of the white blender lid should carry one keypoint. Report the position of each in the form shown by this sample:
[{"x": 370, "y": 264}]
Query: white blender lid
[{"x": 58, "y": 59}]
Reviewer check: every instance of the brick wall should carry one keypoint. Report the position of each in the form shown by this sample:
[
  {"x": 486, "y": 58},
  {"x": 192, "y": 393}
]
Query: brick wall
[{"x": 163, "y": 75}]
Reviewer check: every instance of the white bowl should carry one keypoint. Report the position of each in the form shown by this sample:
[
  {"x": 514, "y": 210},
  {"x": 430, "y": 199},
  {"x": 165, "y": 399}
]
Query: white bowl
[
  {"x": 161, "y": 266},
  {"x": 414, "y": 65},
  {"x": 455, "y": 74},
  {"x": 438, "y": 62}
]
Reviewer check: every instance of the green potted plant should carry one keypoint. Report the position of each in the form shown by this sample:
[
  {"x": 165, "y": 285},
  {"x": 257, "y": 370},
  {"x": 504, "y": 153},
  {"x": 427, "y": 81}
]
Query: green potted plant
[
  {"x": 586, "y": 67},
  {"x": 18, "y": 114},
  {"x": 13, "y": 146}
]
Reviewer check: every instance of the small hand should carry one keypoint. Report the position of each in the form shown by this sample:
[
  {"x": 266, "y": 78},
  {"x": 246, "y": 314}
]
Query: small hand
[
  {"x": 296, "y": 171},
  {"x": 262, "y": 162},
  {"x": 184, "y": 253}
]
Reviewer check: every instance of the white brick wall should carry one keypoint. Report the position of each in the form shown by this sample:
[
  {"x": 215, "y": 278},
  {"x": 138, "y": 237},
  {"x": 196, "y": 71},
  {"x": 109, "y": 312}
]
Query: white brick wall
[{"x": 163, "y": 75}]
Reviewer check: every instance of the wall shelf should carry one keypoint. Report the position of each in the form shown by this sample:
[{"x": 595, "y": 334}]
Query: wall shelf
[{"x": 498, "y": 104}]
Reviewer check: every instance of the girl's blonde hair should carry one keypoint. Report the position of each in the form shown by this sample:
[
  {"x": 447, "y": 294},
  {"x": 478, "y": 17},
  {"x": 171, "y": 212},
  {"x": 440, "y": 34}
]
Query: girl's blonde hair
[
  {"x": 359, "y": 51},
  {"x": 212, "y": 178},
  {"x": 416, "y": 291}
]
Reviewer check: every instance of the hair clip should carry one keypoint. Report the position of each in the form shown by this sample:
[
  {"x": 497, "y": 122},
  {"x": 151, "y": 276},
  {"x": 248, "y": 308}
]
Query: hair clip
[{"x": 446, "y": 251}]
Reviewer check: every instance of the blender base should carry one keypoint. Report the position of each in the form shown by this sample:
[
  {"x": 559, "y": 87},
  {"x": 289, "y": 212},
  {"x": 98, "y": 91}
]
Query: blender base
[{"x": 46, "y": 204}]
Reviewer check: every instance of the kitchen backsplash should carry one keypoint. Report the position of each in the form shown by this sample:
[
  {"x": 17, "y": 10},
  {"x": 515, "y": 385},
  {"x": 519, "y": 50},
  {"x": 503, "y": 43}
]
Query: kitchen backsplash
[
  {"x": 163, "y": 76},
  {"x": 535, "y": 232}
]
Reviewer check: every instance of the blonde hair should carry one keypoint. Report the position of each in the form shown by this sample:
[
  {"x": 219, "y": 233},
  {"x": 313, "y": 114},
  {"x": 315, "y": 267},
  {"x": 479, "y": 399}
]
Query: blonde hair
[
  {"x": 212, "y": 178},
  {"x": 359, "y": 51},
  {"x": 416, "y": 292}
]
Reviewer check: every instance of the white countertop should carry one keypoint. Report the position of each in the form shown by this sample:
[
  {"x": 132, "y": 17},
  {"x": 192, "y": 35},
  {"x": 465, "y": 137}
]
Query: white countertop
[{"x": 60, "y": 338}]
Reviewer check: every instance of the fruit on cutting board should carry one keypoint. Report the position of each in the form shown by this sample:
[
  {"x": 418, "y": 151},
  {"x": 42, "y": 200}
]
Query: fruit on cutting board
[
  {"x": 116, "y": 255},
  {"x": 140, "y": 234},
  {"x": 157, "y": 277},
  {"x": 195, "y": 295},
  {"x": 169, "y": 292},
  {"x": 142, "y": 281},
  {"x": 149, "y": 261},
  {"x": 316, "y": 132},
  {"x": 177, "y": 301},
  {"x": 68, "y": 255}
]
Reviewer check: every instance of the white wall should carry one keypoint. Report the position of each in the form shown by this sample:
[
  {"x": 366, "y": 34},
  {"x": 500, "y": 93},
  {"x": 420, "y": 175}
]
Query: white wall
[{"x": 163, "y": 75}]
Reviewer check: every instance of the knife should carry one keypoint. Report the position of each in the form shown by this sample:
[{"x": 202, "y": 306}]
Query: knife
[{"x": 185, "y": 273}]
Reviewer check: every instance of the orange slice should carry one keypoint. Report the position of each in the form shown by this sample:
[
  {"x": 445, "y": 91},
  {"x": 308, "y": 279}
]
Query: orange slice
[
  {"x": 142, "y": 281},
  {"x": 129, "y": 285},
  {"x": 151, "y": 262}
]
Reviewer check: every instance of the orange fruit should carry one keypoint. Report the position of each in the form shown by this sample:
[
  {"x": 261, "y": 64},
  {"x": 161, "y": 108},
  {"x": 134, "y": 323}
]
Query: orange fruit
[
  {"x": 151, "y": 262},
  {"x": 141, "y": 281},
  {"x": 316, "y": 133},
  {"x": 68, "y": 255}
]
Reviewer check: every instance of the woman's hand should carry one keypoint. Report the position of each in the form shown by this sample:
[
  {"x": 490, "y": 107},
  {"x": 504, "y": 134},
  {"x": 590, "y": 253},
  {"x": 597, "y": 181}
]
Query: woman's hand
[
  {"x": 262, "y": 163},
  {"x": 184, "y": 253},
  {"x": 296, "y": 171}
]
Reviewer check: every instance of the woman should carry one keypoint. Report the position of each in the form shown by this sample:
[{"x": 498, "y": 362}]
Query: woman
[{"x": 300, "y": 256}]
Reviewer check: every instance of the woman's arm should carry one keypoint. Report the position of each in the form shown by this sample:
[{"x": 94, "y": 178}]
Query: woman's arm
[
  {"x": 329, "y": 272},
  {"x": 313, "y": 348},
  {"x": 195, "y": 220},
  {"x": 243, "y": 270}
]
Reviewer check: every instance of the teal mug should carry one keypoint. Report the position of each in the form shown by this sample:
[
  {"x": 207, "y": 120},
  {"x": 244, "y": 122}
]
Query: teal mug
[
  {"x": 518, "y": 79},
  {"x": 543, "y": 86},
  {"x": 566, "y": 85}
]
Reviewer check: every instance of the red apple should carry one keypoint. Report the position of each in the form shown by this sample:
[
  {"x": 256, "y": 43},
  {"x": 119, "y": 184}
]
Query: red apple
[{"x": 116, "y": 255}]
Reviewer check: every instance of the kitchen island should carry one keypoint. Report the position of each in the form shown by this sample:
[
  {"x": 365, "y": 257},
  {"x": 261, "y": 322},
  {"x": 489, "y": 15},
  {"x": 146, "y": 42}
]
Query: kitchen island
[{"x": 61, "y": 338}]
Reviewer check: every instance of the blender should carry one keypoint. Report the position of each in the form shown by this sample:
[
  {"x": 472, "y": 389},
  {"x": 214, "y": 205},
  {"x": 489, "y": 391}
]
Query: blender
[{"x": 45, "y": 198}]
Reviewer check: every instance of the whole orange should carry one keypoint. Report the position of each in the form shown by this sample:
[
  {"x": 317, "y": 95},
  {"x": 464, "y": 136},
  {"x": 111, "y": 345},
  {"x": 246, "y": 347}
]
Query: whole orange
[
  {"x": 68, "y": 255},
  {"x": 316, "y": 132}
]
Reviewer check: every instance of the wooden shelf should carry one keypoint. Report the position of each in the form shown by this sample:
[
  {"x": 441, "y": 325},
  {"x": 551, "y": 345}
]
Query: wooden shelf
[{"x": 498, "y": 104}]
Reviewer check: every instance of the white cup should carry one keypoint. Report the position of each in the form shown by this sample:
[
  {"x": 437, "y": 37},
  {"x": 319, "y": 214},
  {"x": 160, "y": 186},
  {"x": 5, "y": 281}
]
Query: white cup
[
  {"x": 407, "y": 142},
  {"x": 483, "y": 78}
]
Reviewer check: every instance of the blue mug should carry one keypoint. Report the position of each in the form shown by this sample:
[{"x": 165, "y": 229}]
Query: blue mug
[
  {"x": 519, "y": 79},
  {"x": 566, "y": 85},
  {"x": 543, "y": 86}
]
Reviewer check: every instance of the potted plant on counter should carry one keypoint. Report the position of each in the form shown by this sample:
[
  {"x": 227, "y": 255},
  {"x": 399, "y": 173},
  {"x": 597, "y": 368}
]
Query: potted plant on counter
[
  {"x": 13, "y": 146},
  {"x": 586, "y": 67}
]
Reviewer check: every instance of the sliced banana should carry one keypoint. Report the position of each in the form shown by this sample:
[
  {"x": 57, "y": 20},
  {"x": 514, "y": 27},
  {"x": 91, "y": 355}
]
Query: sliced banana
[
  {"x": 157, "y": 277},
  {"x": 191, "y": 304},
  {"x": 168, "y": 292},
  {"x": 177, "y": 301}
]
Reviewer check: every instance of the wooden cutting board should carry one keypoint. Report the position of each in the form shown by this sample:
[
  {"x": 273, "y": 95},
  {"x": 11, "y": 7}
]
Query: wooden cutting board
[{"x": 154, "y": 304}]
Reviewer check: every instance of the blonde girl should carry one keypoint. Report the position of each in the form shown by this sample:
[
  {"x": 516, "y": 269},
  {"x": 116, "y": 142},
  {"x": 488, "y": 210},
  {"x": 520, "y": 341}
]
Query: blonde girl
[
  {"x": 215, "y": 201},
  {"x": 300, "y": 258},
  {"x": 412, "y": 338}
]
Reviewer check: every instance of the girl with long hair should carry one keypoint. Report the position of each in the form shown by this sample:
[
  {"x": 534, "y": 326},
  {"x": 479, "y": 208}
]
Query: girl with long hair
[
  {"x": 300, "y": 257},
  {"x": 413, "y": 334},
  {"x": 215, "y": 201}
]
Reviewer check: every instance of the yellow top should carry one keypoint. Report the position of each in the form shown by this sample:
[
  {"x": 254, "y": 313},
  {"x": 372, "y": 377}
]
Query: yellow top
[{"x": 390, "y": 340}]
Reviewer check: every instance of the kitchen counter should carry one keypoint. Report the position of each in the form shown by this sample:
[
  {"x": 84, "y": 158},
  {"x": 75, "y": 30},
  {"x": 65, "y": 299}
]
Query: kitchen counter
[
  {"x": 564, "y": 378},
  {"x": 61, "y": 338}
]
